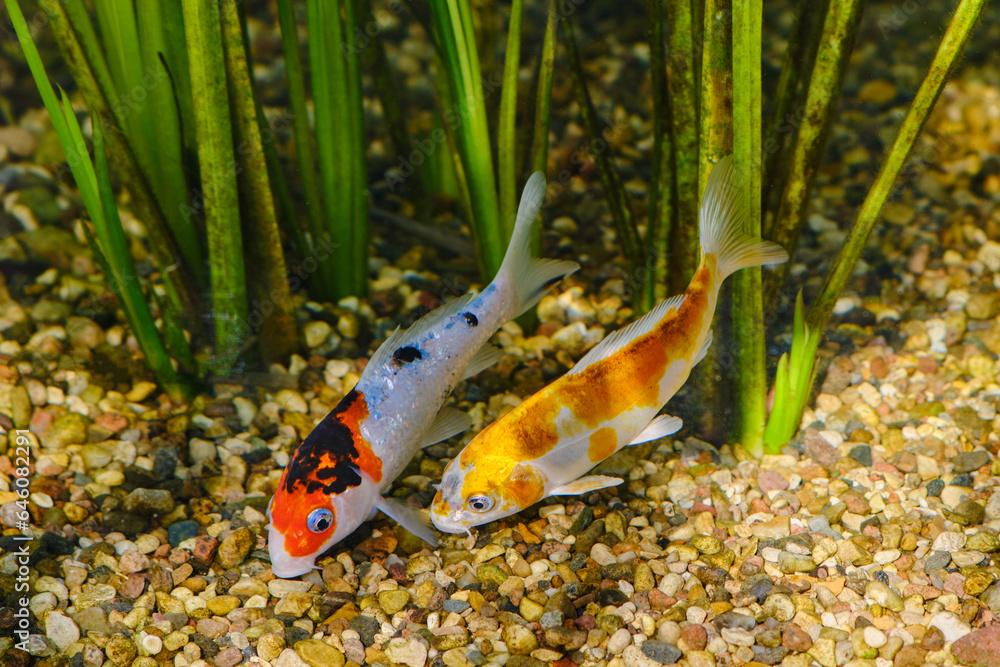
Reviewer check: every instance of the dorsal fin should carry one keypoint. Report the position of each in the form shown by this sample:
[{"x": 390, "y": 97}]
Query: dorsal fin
[
  {"x": 619, "y": 339},
  {"x": 403, "y": 337}
]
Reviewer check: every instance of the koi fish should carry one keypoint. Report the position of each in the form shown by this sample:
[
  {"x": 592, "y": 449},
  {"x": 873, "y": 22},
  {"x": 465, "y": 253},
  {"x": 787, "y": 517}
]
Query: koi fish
[
  {"x": 336, "y": 479},
  {"x": 611, "y": 398}
]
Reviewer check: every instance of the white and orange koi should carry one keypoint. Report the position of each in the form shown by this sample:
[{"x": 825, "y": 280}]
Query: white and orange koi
[
  {"x": 336, "y": 478},
  {"x": 611, "y": 398}
]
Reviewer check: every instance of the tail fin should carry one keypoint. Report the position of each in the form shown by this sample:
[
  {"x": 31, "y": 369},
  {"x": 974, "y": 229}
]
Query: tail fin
[
  {"x": 722, "y": 216},
  {"x": 530, "y": 278}
]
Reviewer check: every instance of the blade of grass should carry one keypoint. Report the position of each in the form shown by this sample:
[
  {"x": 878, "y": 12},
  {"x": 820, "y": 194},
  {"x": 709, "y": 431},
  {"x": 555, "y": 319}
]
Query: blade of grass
[
  {"x": 456, "y": 40},
  {"x": 681, "y": 76},
  {"x": 661, "y": 178},
  {"x": 788, "y": 101},
  {"x": 839, "y": 30},
  {"x": 506, "y": 139},
  {"x": 543, "y": 99},
  {"x": 748, "y": 305},
  {"x": 90, "y": 45},
  {"x": 614, "y": 190},
  {"x": 120, "y": 37},
  {"x": 168, "y": 179},
  {"x": 354, "y": 142},
  {"x": 176, "y": 56},
  {"x": 792, "y": 384},
  {"x": 95, "y": 190},
  {"x": 214, "y": 132},
  {"x": 715, "y": 142},
  {"x": 337, "y": 140},
  {"x": 161, "y": 241},
  {"x": 716, "y": 106},
  {"x": 129, "y": 292},
  {"x": 268, "y": 281}
]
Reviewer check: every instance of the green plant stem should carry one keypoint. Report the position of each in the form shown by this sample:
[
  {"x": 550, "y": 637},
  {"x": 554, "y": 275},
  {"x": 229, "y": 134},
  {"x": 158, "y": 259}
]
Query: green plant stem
[
  {"x": 716, "y": 117},
  {"x": 340, "y": 142},
  {"x": 506, "y": 139},
  {"x": 107, "y": 238},
  {"x": 788, "y": 101},
  {"x": 128, "y": 290},
  {"x": 268, "y": 281},
  {"x": 684, "y": 128},
  {"x": 834, "y": 53},
  {"x": 950, "y": 49},
  {"x": 456, "y": 39},
  {"x": 715, "y": 142},
  {"x": 614, "y": 190},
  {"x": 218, "y": 179},
  {"x": 748, "y": 305},
  {"x": 161, "y": 241},
  {"x": 300, "y": 128},
  {"x": 168, "y": 179},
  {"x": 661, "y": 190},
  {"x": 543, "y": 98}
]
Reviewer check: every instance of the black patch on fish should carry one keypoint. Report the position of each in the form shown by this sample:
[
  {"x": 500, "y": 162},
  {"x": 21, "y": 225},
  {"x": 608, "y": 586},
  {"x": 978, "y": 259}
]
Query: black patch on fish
[
  {"x": 331, "y": 441},
  {"x": 405, "y": 355},
  {"x": 471, "y": 319}
]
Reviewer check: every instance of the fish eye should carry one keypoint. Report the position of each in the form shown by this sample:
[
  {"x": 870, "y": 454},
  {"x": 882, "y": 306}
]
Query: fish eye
[
  {"x": 480, "y": 503},
  {"x": 320, "y": 520}
]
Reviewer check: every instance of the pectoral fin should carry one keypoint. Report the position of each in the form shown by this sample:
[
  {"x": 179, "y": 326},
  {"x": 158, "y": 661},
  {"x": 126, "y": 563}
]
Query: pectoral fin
[
  {"x": 586, "y": 485},
  {"x": 486, "y": 357},
  {"x": 448, "y": 422},
  {"x": 411, "y": 519},
  {"x": 660, "y": 427}
]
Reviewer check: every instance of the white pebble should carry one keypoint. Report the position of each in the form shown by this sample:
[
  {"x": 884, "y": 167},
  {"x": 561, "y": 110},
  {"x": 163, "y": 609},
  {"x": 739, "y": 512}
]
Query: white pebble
[{"x": 875, "y": 637}]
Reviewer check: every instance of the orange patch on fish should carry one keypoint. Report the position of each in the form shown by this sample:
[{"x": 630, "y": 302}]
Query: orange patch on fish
[
  {"x": 368, "y": 462},
  {"x": 286, "y": 517},
  {"x": 603, "y": 443},
  {"x": 525, "y": 487}
]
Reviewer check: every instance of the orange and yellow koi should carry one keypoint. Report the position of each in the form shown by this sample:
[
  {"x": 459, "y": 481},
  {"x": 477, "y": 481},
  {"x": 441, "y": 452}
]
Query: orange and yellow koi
[{"x": 611, "y": 398}]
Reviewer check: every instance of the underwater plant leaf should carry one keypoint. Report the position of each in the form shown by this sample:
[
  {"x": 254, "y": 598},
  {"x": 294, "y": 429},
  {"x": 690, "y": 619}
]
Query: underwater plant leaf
[
  {"x": 214, "y": 131},
  {"x": 506, "y": 141},
  {"x": 748, "y": 305}
]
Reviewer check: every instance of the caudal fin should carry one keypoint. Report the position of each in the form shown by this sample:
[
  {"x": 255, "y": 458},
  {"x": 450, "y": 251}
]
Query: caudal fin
[
  {"x": 530, "y": 278},
  {"x": 722, "y": 221}
]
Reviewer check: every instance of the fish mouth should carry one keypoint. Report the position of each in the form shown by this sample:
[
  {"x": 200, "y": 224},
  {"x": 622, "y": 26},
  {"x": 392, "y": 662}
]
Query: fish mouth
[
  {"x": 449, "y": 523},
  {"x": 283, "y": 565}
]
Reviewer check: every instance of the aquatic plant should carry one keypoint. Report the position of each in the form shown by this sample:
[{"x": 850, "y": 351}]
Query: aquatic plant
[
  {"x": 807, "y": 335},
  {"x": 104, "y": 228},
  {"x": 488, "y": 197}
]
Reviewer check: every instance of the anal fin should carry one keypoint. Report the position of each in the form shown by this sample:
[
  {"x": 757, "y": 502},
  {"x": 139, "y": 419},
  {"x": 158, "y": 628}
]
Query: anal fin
[
  {"x": 586, "y": 485},
  {"x": 411, "y": 519},
  {"x": 448, "y": 422},
  {"x": 660, "y": 427}
]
